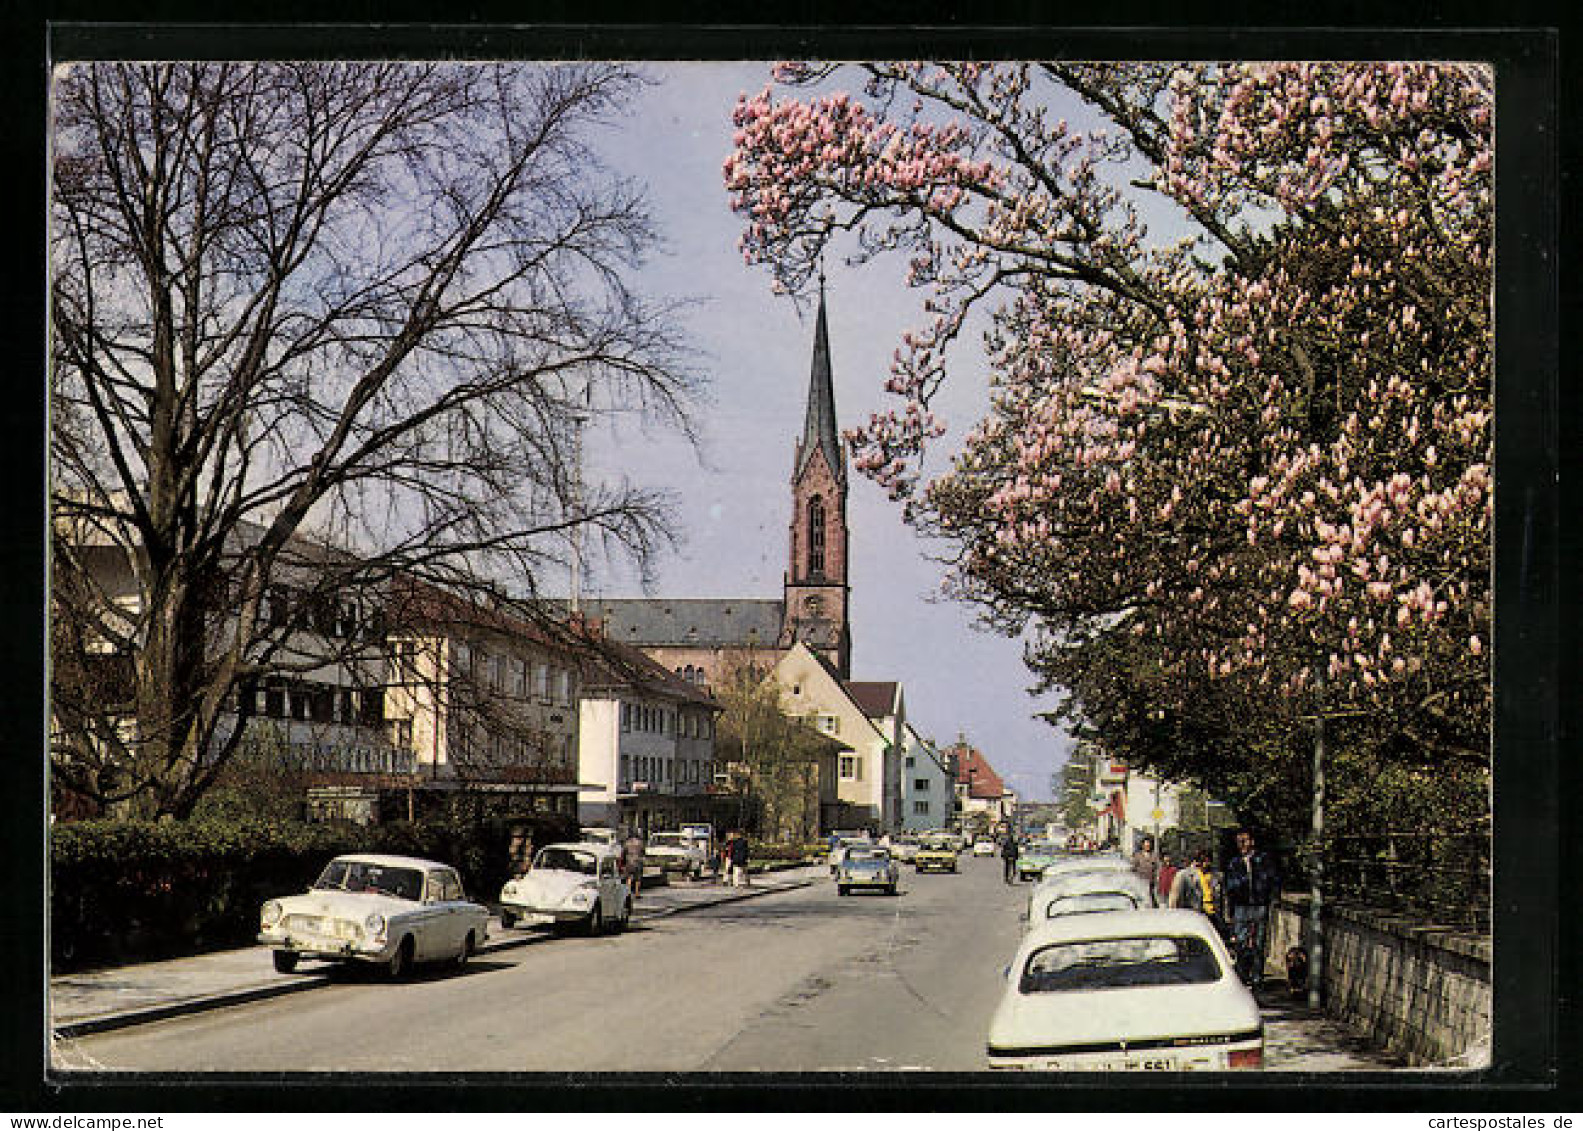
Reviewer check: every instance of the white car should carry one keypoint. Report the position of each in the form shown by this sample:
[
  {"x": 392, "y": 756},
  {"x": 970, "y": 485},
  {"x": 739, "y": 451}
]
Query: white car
[
  {"x": 577, "y": 884},
  {"x": 867, "y": 866},
  {"x": 390, "y": 911},
  {"x": 843, "y": 841},
  {"x": 905, "y": 848},
  {"x": 1127, "y": 991},
  {"x": 983, "y": 848},
  {"x": 600, "y": 836},
  {"x": 676, "y": 852},
  {"x": 1084, "y": 892}
]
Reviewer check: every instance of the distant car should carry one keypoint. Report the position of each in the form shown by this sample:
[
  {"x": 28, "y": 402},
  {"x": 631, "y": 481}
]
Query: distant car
[
  {"x": 1036, "y": 857},
  {"x": 570, "y": 884},
  {"x": 935, "y": 856},
  {"x": 984, "y": 848},
  {"x": 677, "y": 852},
  {"x": 867, "y": 866},
  {"x": 843, "y": 841},
  {"x": 904, "y": 848},
  {"x": 1121, "y": 992},
  {"x": 1081, "y": 892},
  {"x": 389, "y": 911}
]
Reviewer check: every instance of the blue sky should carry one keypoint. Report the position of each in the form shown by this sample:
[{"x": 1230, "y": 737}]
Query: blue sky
[{"x": 734, "y": 496}]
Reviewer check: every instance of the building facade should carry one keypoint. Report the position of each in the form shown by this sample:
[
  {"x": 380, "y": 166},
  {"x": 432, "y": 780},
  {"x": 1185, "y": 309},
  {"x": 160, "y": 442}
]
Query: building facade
[{"x": 927, "y": 794}]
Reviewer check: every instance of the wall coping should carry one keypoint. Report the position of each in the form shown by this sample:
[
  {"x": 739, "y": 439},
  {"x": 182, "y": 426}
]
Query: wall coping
[{"x": 1455, "y": 940}]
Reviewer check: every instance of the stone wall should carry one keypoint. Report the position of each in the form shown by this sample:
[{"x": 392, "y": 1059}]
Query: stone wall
[{"x": 1419, "y": 991}]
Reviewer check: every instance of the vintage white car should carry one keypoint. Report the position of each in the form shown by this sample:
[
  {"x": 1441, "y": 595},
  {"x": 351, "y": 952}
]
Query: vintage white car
[
  {"x": 866, "y": 866},
  {"x": 392, "y": 911},
  {"x": 677, "y": 852},
  {"x": 1128, "y": 991},
  {"x": 577, "y": 884},
  {"x": 984, "y": 848},
  {"x": 840, "y": 843},
  {"x": 1080, "y": 893},
  {"x": 1089, "y": 870}
]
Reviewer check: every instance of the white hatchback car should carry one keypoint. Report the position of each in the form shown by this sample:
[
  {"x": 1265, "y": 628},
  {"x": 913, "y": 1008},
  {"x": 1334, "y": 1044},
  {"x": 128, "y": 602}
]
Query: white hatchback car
[
  {"x": 1129, "y": 991},
  {"x": 392, "y": 911},
  {"x": 570, "y": 884},
  {"x": 1082, "y": 892}
]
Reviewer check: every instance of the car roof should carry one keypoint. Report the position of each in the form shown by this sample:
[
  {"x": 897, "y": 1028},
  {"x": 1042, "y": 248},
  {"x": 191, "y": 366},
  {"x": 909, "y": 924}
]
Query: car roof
[
  {"x": 390, "y": 861},
  {"x": 595, "y": 847},
  {"x": 1118, "y": 925}
]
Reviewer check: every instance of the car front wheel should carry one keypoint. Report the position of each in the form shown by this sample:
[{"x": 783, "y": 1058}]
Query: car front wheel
[
  {"x": 469, "y": 948},
  {"x": 400, "y": 964},
  {"x": 508, "y": 919},
  {"x": 285, "y": 961}
]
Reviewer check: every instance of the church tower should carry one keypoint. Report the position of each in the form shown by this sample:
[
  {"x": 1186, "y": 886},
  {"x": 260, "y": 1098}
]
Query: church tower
[{"x": 817, "y": 593}]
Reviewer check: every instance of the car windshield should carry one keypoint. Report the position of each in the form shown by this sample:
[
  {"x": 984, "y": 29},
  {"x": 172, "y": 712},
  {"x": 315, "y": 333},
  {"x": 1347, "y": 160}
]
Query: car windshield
[
  {"x": 1089, "y": 902},
  {"x": 566, "y": 860},
  {"x": 667, "y": 840},
  {"x": 378, "y": 879},
  {"x": 861, "y": 855},
  {"x": 1107, "y": 964}
]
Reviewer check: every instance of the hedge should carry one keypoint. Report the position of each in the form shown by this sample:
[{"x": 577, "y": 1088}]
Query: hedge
[{"x": 128, "y": 891}]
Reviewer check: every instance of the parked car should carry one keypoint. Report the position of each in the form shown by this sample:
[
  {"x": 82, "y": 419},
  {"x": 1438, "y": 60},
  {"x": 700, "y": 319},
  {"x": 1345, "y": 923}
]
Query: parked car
[
  {"x": 935, "y": 856},
  {"x": 1078, "y": 892},
  {"x": 389, "y": 911},
  {"x": 982, "y": 847},
  {"x": 867, "y": 866},
  {"x": 1129, "y": 991},
  {"x": 600, "y": 836},
  {"x": 570, "y": 884},
  {"x": 676, "y": 852},
  {"x": 1035, "y": 857}
]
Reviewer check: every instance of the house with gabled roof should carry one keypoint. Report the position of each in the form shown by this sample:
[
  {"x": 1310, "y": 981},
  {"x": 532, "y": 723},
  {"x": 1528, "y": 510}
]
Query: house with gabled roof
[
  {"x": 867, "y": 783},
  {"x": 927, "y": 785}
]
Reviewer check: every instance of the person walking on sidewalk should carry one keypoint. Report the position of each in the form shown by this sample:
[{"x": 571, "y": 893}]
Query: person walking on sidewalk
[
  {"x": 632, "y": 861},
  {"x": 1008, "y": 857},
  {"x": 1252, "y": 883},
  {"x": 739, "y": 859},
  {"x": 1168, "y": 870},
  {"x": 1146, "y": 862}
]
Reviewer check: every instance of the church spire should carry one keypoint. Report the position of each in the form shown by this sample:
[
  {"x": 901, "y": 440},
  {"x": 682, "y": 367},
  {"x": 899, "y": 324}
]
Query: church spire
[{"x": 819, "y": 428}]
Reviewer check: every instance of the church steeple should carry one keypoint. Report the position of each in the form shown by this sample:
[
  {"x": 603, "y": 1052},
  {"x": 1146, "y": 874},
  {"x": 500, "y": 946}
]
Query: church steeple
[
  {"x": 816, "y": 578},
  {"x": 819, "y": 426}
]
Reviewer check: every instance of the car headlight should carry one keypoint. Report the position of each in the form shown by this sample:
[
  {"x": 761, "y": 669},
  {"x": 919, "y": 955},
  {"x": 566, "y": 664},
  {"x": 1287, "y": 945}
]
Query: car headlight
[
  {"x": 269, "y": 914},
  {"x": 375, "y": 924}
]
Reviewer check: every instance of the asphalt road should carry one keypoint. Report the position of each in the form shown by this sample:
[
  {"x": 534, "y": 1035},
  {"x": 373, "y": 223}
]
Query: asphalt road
[{"x": 801, "y": 981}]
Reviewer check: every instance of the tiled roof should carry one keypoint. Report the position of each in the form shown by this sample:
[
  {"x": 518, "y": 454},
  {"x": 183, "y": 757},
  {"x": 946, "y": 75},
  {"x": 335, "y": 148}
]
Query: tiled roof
[
  {"x": 702, "y": 623},
  {"x": 612, "y": 664}
]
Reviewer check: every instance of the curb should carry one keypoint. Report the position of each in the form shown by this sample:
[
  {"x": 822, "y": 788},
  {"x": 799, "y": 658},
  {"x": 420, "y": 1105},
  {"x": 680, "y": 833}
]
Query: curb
[{"x": 108, "y": 1022}]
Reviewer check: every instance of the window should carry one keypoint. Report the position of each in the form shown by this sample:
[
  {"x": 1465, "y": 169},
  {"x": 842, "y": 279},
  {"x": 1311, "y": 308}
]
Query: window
[
  {"x": 921, "y": 785},
  {"x": 920, "y": 808},
  {"x": 497, "y": 676},
  {"x": 626, "y": 768},
  {"x": 519, "y": 677},
  {"x": 816, "y": 537},
  {"x": 1115, "y": 963},
  {"x": 541, "y": 680},
  {"x": 626, "y": 716},
  {"x": 851, "y": 767}
]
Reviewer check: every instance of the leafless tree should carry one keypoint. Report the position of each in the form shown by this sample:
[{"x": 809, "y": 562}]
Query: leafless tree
[{"x": 374, "y": 302}]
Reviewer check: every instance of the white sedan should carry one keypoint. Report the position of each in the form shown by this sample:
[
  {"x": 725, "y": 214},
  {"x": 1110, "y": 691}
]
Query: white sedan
[
  {"x": 392, "y": 911},
  {"x": 1086, "y": 892},
  {"x": 570, "y": 884},
  {"x": 1128, "y": 991},
  {"x": 984, "y": 848}
]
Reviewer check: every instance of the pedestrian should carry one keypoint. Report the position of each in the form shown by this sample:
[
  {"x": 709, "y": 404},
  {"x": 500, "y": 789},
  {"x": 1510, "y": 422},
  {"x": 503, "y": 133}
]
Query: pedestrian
[
  {"x": 1252, "y": 883},
  {"x": 1146, "y": 862},
  {"x": 1168, "y": 870},
  {"x": 632, "y": 860},
  {"x": 739, "y": 859},
  {"x": 1008, "y": 857}
]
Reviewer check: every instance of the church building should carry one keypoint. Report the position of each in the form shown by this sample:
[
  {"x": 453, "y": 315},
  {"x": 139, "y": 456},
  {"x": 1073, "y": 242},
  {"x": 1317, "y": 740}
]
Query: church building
[{"x": 703, "y": 639}]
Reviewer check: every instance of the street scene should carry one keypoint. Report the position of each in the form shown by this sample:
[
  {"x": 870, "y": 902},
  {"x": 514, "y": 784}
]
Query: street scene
[{"x": 750, "y": 567}]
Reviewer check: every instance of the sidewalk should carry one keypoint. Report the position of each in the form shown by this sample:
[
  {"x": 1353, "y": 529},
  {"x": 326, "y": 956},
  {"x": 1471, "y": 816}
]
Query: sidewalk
[
  {"x": 1298, "y": 1038},
  {"x": 97, "y": 1000}
]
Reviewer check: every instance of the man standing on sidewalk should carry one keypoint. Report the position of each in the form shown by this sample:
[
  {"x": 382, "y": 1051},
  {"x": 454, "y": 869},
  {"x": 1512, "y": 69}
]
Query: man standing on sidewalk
[
  {"x": 1251, "y": 884},
  {"x": 739, "y": 859}
]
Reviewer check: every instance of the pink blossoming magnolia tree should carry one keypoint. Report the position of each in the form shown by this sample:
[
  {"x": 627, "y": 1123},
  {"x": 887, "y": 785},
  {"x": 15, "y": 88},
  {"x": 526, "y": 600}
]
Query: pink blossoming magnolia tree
[{"x": 1233, "y": 478}]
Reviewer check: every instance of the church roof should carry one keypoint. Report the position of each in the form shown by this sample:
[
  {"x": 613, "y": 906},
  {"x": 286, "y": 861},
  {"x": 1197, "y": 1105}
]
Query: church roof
[
  {"x": 690, "y": 622},
  {"x": 819, "y": 427}
]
